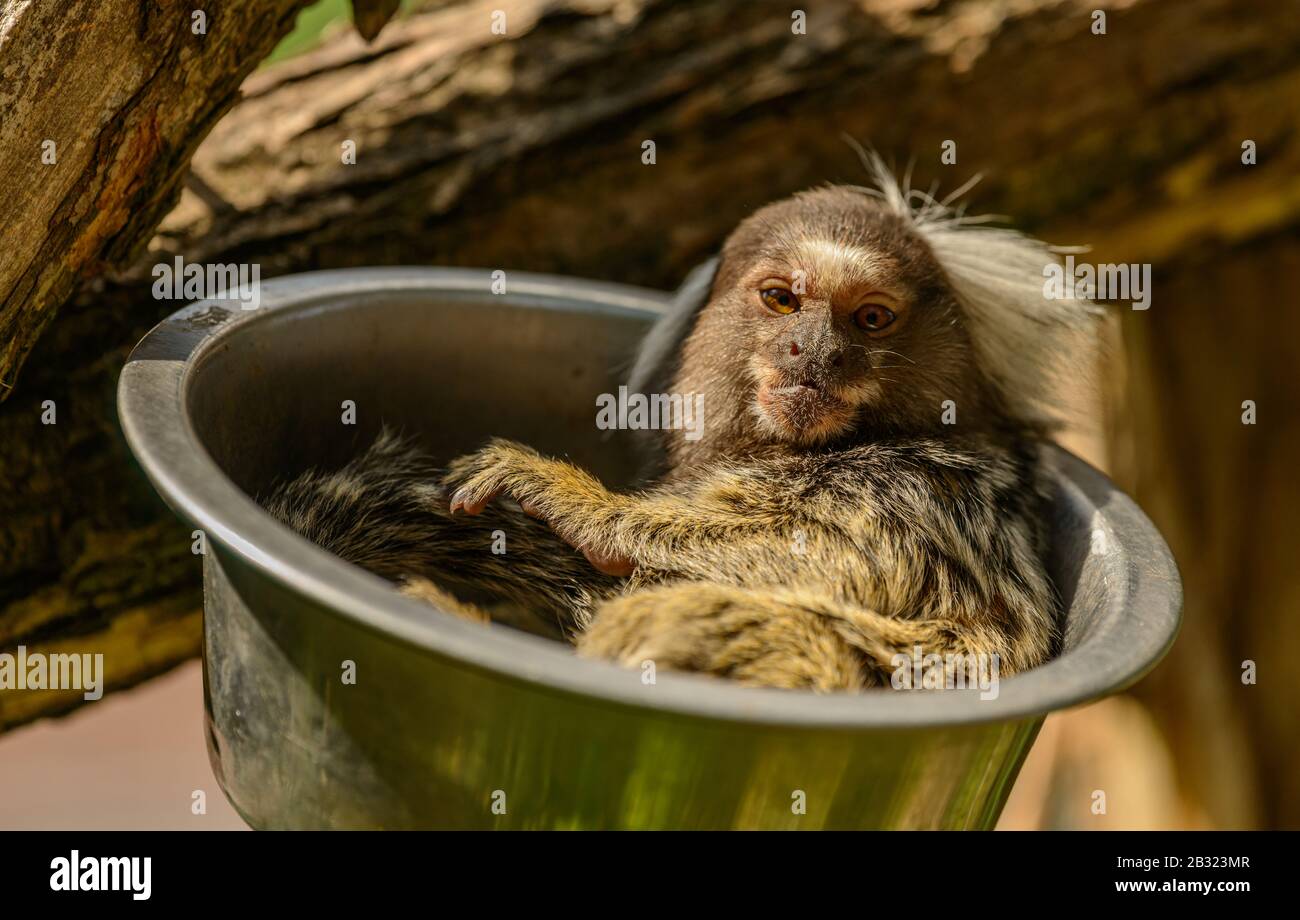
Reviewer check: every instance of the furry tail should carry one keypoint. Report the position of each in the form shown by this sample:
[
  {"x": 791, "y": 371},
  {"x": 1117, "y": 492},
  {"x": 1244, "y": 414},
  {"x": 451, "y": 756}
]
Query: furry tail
[
  {"x": 378, "y": 511},
  {"x": 773, "y": 638},
  {"x": 387, "y": 511}
]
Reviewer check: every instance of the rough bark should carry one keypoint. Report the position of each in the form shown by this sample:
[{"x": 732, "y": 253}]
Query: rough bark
[
  {"x": 1226, "y": 495},
  {"x": 103, "y": 103},
  {"x": 524, "y": 151},
  {"x": 101, "y": 107}
]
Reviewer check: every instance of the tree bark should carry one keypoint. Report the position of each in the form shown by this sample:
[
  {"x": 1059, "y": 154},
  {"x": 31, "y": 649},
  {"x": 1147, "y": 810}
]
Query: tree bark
[
  {"x": 103, "y": 104},
  {"x": 526, "y": 151},
  {"x": 101, "y": 107},
  {"x": 1220, "y": 340}
]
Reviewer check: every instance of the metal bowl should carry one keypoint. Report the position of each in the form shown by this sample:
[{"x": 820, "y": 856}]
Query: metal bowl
[{"x": 454, "y": 725}]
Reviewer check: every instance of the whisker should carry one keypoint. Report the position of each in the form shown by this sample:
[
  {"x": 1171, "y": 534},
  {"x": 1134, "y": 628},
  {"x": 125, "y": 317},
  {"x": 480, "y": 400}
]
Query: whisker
[{"x": 886, "y": 351}]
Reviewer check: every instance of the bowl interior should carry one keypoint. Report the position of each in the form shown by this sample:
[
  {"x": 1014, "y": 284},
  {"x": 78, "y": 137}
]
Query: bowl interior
[{"x": 274, "y": 399}]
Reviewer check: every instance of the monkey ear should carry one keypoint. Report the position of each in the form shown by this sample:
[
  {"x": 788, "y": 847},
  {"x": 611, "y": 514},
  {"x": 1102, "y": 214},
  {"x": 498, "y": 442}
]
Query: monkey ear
[{"x": 659, "y": 352}]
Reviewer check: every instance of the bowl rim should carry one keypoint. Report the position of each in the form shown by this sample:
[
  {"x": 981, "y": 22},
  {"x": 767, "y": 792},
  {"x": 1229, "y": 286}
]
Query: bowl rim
[{"x": 1144, "y": 596}]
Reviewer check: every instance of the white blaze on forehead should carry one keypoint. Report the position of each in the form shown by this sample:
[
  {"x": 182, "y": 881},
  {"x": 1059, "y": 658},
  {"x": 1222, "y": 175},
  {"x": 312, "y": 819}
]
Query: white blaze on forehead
[{"x": 832, "y": 266}]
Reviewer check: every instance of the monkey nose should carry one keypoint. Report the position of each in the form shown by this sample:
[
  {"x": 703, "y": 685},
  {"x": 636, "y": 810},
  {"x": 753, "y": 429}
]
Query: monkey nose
[{"x": 794, "y": 348}]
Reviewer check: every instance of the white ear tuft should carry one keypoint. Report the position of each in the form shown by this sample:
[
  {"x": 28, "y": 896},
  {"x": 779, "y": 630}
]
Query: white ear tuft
[{"x": 1029, "y": 343}]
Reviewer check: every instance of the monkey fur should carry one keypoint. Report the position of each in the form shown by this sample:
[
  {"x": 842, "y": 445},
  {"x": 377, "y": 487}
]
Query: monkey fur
[{"x": 868, "y": 484}]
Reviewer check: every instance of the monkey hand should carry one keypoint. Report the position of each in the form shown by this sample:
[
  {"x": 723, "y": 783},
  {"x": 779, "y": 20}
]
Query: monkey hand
[
  {"x": 576, "y": 506},
  {"x": 503, "y": 467}
]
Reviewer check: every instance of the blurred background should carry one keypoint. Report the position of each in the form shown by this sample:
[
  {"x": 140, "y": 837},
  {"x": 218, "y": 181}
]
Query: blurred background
[{"x": 1159, "y": 132}]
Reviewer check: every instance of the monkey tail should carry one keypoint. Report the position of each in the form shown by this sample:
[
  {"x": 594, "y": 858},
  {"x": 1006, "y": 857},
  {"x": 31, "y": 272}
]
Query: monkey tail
[
  {"x": 386, "y": 510},
  {"x": 767, "y": 637},
  {"x": 378, "y": 511}
]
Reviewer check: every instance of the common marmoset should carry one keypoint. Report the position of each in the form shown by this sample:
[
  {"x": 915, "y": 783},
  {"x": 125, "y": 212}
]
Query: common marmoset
[{"x": 876, "y": 372}]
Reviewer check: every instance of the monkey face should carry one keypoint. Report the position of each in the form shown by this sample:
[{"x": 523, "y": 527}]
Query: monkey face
[
  {"x": 821, "y": 312},
  {"x": 832, "y": 319}
]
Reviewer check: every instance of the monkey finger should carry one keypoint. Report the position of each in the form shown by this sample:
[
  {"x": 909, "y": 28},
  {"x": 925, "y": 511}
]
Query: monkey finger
[
  {"x": 530, "y": 509},
  {"x": 618, "y": 566},
  {"x": 465, "y": 500}
]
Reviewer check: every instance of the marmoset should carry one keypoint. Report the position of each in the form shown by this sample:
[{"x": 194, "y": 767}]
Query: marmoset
[{"x": 866, "y": 489}]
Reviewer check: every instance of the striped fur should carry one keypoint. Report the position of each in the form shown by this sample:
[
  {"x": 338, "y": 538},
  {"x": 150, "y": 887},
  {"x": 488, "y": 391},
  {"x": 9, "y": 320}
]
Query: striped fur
[{"x": 793, "y": 545}]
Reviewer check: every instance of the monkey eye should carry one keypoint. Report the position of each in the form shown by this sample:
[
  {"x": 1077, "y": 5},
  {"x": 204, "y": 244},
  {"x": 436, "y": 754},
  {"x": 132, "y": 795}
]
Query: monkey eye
[
  {"x": 779, "y": 300},
  {"x": 874, "y": 317}
]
